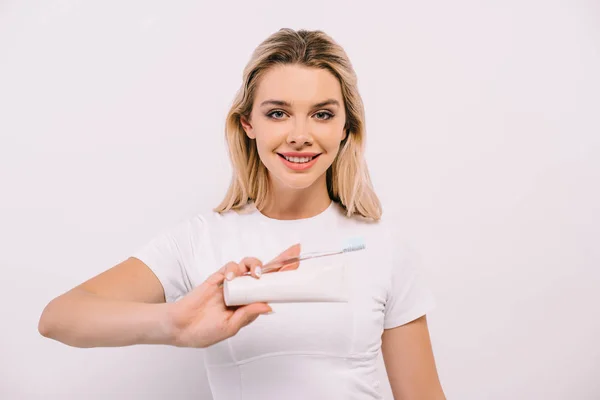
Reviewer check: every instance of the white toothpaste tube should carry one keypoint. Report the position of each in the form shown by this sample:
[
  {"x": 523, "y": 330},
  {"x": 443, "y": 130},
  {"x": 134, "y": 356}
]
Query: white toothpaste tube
[{"x": 313, "y": 284}]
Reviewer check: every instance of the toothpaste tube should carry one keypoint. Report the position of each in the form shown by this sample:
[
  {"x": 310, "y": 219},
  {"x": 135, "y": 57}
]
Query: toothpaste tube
[{"x": 313, "y": 284}]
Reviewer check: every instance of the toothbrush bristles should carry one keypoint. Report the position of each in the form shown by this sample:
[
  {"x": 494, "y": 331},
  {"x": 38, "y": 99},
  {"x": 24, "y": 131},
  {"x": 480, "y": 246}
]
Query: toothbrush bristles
[
  {"x": 354, "y": 245},
  {"x": 354, "y": 248}
]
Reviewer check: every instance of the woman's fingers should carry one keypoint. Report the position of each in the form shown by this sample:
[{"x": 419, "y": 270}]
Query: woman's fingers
[
  {"x": 254, "y": 265},
  {"x": 230, "y": 270},
  {"x": 290, "y": 266},
  {"x": 248, "y": 264},
  {"x": 292, "y": 251},
  {"x": 216, "y": 278}
]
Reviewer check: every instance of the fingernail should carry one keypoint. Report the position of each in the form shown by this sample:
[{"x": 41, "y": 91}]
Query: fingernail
[
  {"x": 258, "y": 271},
  {"x": 229, "y": 276}
]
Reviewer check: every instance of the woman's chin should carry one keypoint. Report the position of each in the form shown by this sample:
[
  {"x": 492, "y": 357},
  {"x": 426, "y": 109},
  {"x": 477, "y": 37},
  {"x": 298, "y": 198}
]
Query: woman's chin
[{"x": 297, "y": 181}]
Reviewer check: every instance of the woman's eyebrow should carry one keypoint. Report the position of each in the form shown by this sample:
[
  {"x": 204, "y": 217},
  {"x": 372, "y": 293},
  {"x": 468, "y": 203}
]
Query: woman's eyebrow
[{"x": 282, "y": 103}]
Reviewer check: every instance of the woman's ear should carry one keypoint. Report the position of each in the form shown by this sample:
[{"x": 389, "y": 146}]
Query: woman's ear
[
  {"x": 346, "y": 132},
  {"x": 247, "y": 127}
]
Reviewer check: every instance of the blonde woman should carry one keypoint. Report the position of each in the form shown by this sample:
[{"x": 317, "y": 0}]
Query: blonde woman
[{"x": 296, "y": 137}]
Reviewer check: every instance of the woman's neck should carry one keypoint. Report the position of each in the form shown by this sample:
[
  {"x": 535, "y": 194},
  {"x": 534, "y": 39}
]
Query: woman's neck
[{"x": 286, "y": 204}]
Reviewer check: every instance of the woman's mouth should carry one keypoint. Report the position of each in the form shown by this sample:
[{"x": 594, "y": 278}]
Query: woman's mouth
[{"x": 298, "y": 162}]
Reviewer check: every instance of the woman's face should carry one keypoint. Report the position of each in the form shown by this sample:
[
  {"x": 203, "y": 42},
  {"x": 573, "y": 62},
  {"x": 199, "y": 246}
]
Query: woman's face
[{"x": 297, "y": 121}]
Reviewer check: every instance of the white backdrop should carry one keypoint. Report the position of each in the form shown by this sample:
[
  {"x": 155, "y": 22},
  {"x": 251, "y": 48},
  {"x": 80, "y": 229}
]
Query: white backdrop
[{"x": 484, "y": 143}]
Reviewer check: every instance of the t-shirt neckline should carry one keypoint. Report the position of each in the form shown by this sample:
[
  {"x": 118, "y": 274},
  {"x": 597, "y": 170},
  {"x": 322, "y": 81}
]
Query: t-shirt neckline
[{"x": 315, "y": 218}]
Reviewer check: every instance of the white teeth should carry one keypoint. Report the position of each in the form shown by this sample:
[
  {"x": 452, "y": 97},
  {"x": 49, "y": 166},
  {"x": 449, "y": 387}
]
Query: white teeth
[{"x": 299, "y": 160}]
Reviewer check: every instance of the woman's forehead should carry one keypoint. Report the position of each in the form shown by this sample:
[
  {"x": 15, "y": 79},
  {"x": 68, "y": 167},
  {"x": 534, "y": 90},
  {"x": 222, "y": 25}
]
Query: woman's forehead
[{"x": 298, "y": 86}]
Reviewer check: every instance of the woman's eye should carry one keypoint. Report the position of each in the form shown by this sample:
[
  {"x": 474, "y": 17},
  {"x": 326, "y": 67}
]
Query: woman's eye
[
  {"x": 276, "y": 114},
  {"x": 321, "y": 115},
  {"x": 324, "y": 115}
]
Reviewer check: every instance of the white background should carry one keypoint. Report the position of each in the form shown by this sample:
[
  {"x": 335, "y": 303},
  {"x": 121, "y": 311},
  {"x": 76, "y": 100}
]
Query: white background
[{"x": 483, "y": 124}]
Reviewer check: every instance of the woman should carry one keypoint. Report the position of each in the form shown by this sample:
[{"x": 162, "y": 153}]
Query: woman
[{"x": 296, "y": 139}]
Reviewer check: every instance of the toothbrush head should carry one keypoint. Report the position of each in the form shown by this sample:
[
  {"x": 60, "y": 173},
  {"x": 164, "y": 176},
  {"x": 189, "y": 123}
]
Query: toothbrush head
[{"x": 354, "y": 244}]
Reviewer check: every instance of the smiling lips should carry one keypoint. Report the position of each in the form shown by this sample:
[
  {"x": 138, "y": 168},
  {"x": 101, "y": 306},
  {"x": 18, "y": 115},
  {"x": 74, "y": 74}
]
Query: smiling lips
[{"x": 299, "y": 161}]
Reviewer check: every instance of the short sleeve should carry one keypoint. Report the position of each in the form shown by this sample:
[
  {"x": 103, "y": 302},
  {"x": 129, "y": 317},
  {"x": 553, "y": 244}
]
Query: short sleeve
[
  {"x": 409, "y": 297},
  {"x": 168, "y": 256}
]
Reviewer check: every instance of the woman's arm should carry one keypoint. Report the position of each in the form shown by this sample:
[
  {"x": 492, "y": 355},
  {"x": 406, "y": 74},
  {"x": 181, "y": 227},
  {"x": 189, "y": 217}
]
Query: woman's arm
[
  {"x": 119, "y": 307},
  {"x": 409, "y": 362},
  {"x": 125, "y": 305}
]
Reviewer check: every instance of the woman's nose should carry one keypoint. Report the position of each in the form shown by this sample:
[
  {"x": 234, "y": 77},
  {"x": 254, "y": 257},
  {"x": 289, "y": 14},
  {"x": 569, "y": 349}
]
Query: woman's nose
[{"x": 299, "y": 134}]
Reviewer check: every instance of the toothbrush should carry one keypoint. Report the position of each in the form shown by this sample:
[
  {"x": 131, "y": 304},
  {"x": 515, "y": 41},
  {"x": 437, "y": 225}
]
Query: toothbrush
[{"x": 350, "y": 245}]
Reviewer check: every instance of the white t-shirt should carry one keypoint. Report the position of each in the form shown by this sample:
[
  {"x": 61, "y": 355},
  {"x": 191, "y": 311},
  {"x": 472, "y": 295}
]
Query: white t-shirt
[{"x": 304, "y": 350}]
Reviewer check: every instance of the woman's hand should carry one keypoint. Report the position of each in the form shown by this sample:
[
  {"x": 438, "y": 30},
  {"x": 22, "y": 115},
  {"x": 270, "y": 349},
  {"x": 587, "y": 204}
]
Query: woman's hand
[
  {"x": 201, "y": 318},
  {"x": 254, "y": 266}
]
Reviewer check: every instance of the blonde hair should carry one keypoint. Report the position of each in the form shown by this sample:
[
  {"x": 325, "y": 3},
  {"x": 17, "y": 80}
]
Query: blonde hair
[{"x": 348, "y": 180}]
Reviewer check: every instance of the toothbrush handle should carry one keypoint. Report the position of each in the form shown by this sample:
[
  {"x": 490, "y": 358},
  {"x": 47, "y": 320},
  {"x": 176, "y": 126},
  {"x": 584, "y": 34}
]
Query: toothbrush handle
[{"x": 274, "y": 265}]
